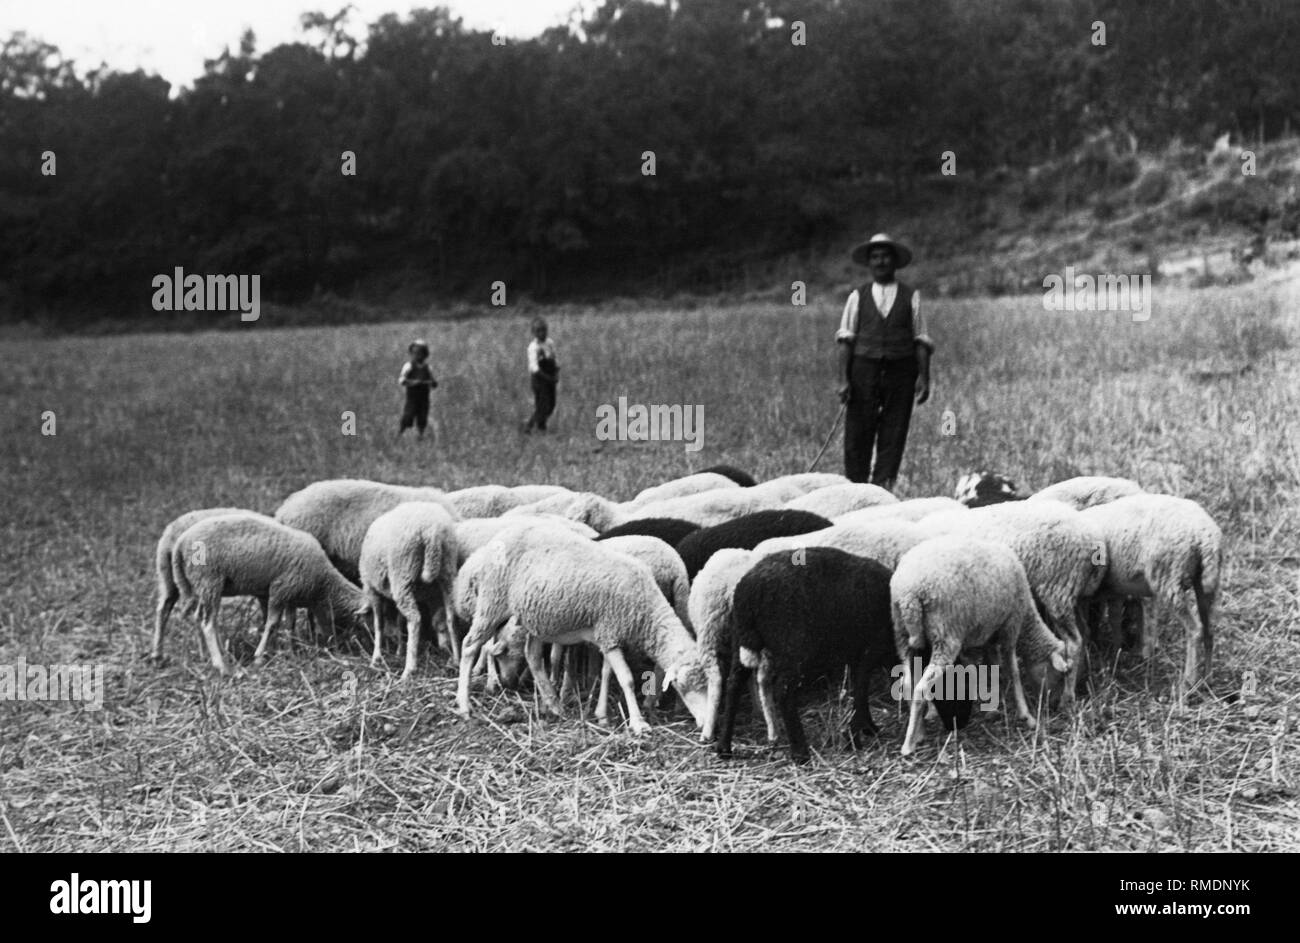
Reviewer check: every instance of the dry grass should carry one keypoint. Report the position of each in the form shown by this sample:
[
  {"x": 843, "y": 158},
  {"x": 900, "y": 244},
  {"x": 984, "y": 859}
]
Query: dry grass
[{"x": 318, "y": 752}]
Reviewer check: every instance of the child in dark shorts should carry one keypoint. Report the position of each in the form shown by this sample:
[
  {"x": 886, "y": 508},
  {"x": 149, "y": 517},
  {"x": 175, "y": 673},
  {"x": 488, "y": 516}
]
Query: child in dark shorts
[
  {"x": 543, "y": 372},
  {"x": 417, "y": 378}
]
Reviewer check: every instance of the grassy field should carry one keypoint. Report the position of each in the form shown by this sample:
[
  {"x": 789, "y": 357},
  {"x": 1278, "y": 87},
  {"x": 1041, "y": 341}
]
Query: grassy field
[{"x": 318, "y": 752}]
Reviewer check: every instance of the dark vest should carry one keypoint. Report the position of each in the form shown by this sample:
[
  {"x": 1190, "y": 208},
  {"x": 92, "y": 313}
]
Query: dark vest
[{"x": 892, "y": 337}]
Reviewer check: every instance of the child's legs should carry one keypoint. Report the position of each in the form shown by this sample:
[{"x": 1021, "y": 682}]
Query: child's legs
[
  {"x": 861, "y": 417},
  {"x": 543, "y": 402},
  {"x": 897, "y": 394}
]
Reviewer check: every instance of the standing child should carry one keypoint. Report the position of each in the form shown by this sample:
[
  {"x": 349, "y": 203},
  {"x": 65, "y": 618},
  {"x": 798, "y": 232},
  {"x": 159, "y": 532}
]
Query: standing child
[
  {"x": 884, "y": 363},
  {"x": 544, "y": 374},
  {"x": 417, "y": 378}
]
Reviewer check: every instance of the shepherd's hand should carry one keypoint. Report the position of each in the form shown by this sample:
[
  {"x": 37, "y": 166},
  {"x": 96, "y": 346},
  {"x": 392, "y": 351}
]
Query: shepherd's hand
[
  {"x": 845, "y": 392},
  {"x": 922, "y": 389}
]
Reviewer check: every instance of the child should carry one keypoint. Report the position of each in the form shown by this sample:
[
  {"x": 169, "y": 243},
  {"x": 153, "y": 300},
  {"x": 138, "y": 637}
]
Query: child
[
  {"x": 884, "y": 363},
  {"x": 418, "y": 380},
  {"x": 544, "y": 374}
]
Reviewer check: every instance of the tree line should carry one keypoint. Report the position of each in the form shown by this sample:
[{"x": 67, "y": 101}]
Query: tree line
[{"x": 645, "y": 147}]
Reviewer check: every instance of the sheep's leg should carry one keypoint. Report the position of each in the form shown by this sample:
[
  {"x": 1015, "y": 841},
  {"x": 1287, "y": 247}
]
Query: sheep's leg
[
  {"x": 448, "y": 587},
  {"x": 414, "y": 614},
  {"x": 166, "y": 602},
  {"x": 651, "y": 696},
  {"x": 487, "y": 663},
  {"x": 628, "y": 684},
  {"x": 916, "y": 689},
  {"x": 602, "y": 702},
  {"x": 533, "y": 655},
  {"x": 268, "y": 631},
  {"x": 480, "y": 631},
  {"x": 1008, "y": 649},
  {"x": 377, "y": 617},
  {"x": 1067, "y": 625},
  {"x": 735, "y": 683},
  {"x": 1197, "y": 642},
  {"x": 788, "y": 705},
  {"x": 1204, "y": 608},
  {"x": 708, "y": 730},
  {"x": 1150, "y": 633},
  {"x": 765, "y": 699},
  {"x": 291, "y": 618},
  {"x": 208, "y": 626},
  {"x": 860, "y": 723}
]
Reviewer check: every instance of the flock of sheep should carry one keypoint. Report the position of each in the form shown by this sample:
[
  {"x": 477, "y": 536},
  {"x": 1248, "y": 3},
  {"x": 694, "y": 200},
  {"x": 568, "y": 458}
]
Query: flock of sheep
[{"x": 711, "y": 579}]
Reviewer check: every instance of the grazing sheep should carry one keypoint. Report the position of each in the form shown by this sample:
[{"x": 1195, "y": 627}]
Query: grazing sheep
[
  {"x": 670, "y": 530},
  {"x": 1062, "y": 553},
  {"x": 709, "y": 507},
  {"x": 252, "y": 555},
  {"x": 788, "y": 487},
  {"x": 586, "y": 507},
  {"x": 884, "y": 540},
  {"x": 1169, "y": 549},
  {"x": 710, "y": 607},
  {"x": 409, "y": 556},
  {"x": 834, "y": 500},
  {"x": 564, "y": 588},
  {"x": 485, "y": 500},
  {"x": 475, "y": 532},
  {"x": 745, "y": 533},
  {"x": 338, "y": 513},
  {"x": 168, "y": 594},
  {"x": 953, "y": 594},
  {"x": 1088, "y": 491},
  {"x": 742, "y": 478},
  {"x": 680, "y": 487},
  {"x": 913, "y": 509},
  {"x": 666, "y": 565},
  {"x": 980, "y": 489},
  {"x": 799, "y": 621}
]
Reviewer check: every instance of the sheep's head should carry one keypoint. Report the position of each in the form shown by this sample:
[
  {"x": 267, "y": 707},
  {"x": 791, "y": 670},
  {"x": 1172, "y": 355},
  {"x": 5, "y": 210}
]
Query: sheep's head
[
  {"x": 690, "y": 677},
  {"x": 981, "y": 488},
  {"x": 508, "y": 651}
]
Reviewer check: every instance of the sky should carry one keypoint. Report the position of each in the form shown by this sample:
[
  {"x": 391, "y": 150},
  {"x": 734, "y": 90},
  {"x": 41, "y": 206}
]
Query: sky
[{"x": 173, "y": 37}]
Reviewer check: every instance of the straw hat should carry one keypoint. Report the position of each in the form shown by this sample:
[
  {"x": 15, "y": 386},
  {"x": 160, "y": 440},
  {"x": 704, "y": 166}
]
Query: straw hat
[{"x": 902, "y": 254}]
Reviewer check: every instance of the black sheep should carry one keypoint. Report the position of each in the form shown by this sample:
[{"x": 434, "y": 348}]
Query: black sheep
[
  {"x": 742, "y": 478},
  {"x": 745, "y": 533},
  {"x": 806, "y": 615},
  {"x": 668, "y": 529}
]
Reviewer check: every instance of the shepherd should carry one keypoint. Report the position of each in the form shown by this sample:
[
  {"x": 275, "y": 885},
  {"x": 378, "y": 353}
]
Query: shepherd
[{"x": 884, "y": 363}]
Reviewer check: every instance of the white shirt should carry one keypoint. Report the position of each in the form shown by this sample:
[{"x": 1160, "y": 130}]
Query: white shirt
[
  {"x": 883, "y": 296},
  {"x": 537, "y": 350}
]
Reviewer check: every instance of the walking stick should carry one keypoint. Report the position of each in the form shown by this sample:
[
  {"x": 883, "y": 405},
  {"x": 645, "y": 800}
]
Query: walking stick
[{"x": 834, "y": 426}]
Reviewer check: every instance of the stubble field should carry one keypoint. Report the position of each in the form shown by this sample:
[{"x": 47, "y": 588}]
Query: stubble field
[{"x": 318, "y": 752}]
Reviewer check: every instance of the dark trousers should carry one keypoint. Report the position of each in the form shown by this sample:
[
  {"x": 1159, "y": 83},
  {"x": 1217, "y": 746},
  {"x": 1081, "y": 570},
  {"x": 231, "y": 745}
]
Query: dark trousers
[
  {"x": 543, "y": 401},
  {"x": 879, "y": 411},
  {"x": 416, "y": 412}
]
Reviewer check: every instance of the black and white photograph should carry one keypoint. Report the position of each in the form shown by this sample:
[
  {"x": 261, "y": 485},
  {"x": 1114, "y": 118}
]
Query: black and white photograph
[{"x": 652, "y": 426}]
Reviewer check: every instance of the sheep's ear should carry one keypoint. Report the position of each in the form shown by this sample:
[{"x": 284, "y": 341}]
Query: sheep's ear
[
  {"x": 498, "y": 647},
  {"x": 670, "y": 676}
]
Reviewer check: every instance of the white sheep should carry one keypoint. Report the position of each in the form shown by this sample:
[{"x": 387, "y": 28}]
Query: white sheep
[
  {"x": 1087, "y": 491},
  {"x": 708, "y": 507},
  {"x": 1062, "y": 553},
  {"x": 409, "y": 556},
  {"x": 710, "y": 607},
  {"x": 532, "y": 493},
  {"x": 951, "y": 594},
  {"x": 485, "y": 500},
  {"x": 884, "y": 540},
  {"x": 564, "y": 588},
  {"x": 834, "y": 500},
  {"x": 339, "y": 512},
  {"x": 1169, "y": 549},
  {"x": 475, "y": 532},
  {"x": 913, "y": 509},
  {"x": 168, "y": 594},
  {"x": 680, "y": 487},
  {"x": 788, "y": 487},
  {"x": 253, "y": 555},
  {"x": 586, "y": 507}
]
